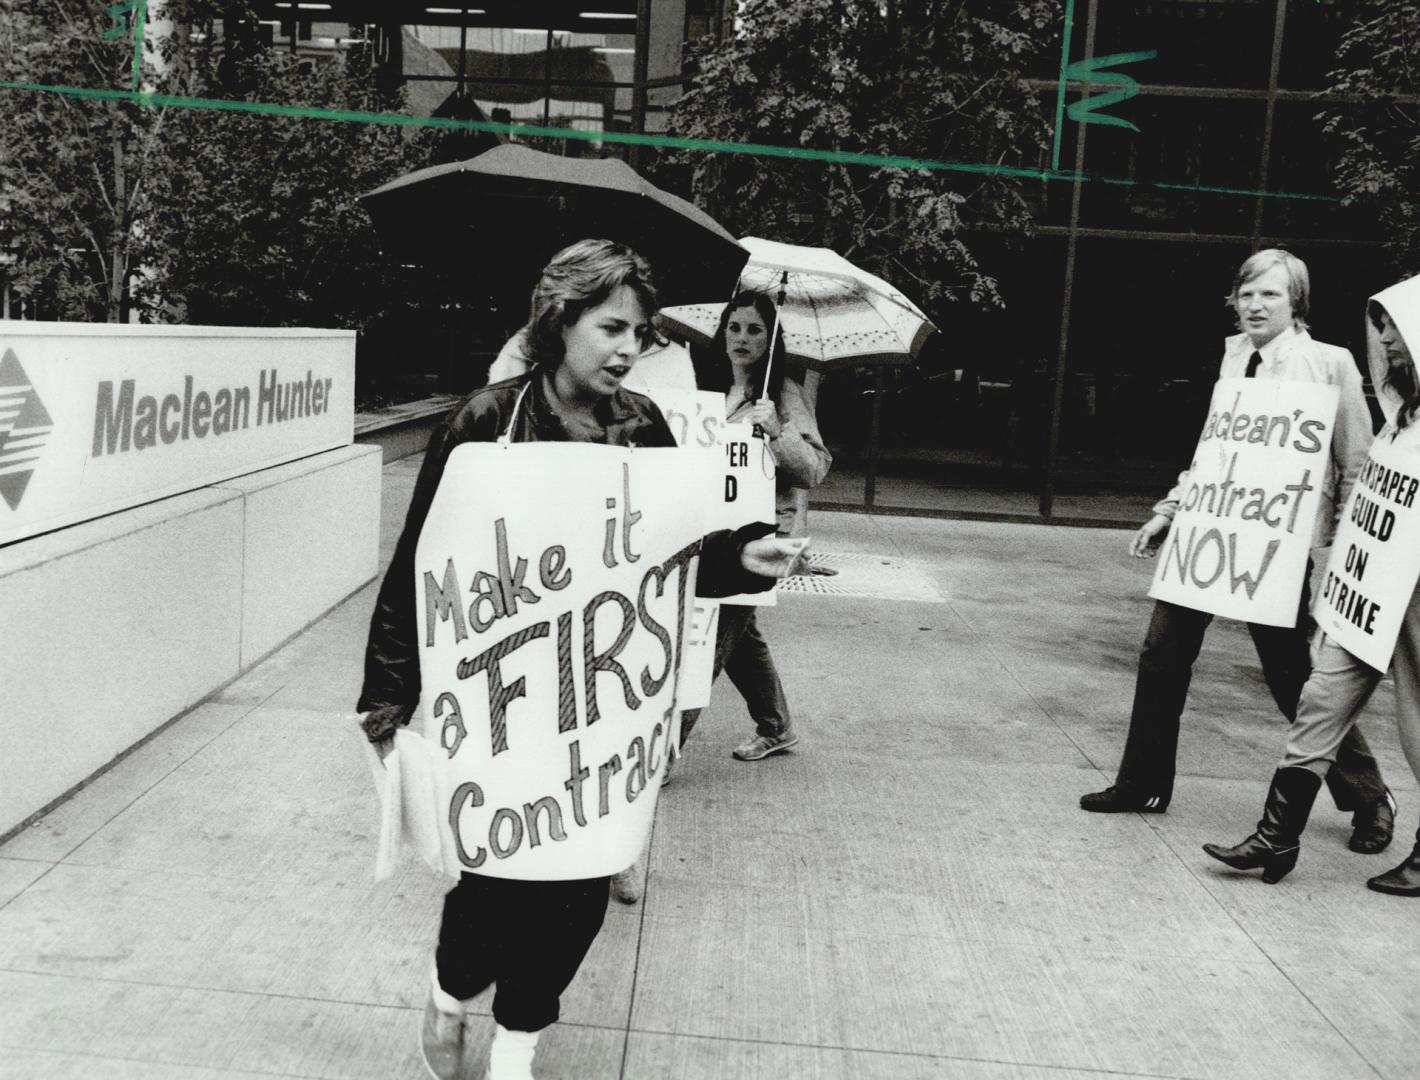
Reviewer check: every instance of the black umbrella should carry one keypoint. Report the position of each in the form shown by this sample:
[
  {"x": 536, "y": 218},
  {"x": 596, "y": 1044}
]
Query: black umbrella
[{"x": 506, "y": 211}]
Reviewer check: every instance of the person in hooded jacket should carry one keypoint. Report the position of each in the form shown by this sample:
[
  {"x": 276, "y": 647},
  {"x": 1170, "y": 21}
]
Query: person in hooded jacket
[
  {"x": 1340, "y": 684},
  {"x": 591, "y": 318}
]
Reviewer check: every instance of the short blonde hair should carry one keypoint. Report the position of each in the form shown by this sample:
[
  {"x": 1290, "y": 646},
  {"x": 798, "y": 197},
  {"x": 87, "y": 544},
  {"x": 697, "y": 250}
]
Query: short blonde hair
[{"x": 1299, "y": 280}]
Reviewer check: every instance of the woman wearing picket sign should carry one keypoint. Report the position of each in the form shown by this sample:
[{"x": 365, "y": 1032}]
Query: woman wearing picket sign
[
  {"x": 591, "y": 318},
  {"x": 1340, "y": 683},
  {"x": 750, "y": 371}
]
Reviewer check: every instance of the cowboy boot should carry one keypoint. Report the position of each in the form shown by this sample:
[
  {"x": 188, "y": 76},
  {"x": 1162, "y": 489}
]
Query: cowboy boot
[
  {"x": 1277, "y": 842},
  {"x": 1404, "y": 880}
]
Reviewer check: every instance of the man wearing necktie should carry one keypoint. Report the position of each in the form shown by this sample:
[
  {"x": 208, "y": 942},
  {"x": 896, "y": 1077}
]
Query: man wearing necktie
[{"x": 1270, "y": 297}]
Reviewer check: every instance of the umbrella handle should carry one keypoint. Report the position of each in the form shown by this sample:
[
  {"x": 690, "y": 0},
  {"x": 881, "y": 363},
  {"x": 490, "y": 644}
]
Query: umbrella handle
[{"x": 774, "y": 334}]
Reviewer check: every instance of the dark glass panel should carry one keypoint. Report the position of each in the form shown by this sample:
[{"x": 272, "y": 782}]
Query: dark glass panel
[
  {"x": 1147, "y": 325},
  {"x": 1309, "y": 43},
  {"x": 1187, "y": 169},
  {"x": 1199, "y": 42},
  {"x": 1302, "y": 161}
]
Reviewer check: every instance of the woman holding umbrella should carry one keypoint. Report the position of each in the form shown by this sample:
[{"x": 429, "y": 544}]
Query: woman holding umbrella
[
  {"x": 591, "y": 318},
  {"x": 746, "y": 360}
]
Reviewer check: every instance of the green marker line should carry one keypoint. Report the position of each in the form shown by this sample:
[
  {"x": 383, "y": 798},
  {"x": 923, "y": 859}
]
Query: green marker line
[
  {"x": 795, "y": 153},
  {"x": 1060, "y": 91},
  {"x": 399, "y": 120},
  {"x": 1242, "y": 191}
]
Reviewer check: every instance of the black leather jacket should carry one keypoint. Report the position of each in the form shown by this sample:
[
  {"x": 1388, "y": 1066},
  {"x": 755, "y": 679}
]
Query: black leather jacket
[{"x": 627, "y": 419}]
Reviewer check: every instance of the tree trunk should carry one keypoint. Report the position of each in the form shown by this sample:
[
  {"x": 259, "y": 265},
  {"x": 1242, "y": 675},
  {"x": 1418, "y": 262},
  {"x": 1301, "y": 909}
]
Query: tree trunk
[{"x": 118, "y": 262}]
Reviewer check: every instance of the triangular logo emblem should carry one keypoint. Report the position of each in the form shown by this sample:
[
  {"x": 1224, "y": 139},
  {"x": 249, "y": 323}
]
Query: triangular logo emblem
[{"x": 25, "y": 426}]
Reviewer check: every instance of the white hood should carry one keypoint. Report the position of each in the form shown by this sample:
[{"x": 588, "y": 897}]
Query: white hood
[{"x": 1402, "y": 301}]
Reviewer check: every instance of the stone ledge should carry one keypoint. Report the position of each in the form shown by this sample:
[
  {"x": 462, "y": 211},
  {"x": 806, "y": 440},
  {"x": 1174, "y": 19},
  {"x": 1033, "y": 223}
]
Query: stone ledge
[
  {"x": 410, "y": 412},
  {"x": 401, "y": 430}
]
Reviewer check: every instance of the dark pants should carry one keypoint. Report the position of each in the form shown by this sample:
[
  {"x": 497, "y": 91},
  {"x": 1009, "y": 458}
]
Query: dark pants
[
  {"x": 1165, "y": 671},
  {"x": 743, "y": 654},
  {"x": 529, "y": 937}
]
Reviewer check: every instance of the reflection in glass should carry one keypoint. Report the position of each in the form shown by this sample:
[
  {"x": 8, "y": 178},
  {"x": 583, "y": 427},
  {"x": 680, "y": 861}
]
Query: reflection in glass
[{"x": 559, "y": 77}]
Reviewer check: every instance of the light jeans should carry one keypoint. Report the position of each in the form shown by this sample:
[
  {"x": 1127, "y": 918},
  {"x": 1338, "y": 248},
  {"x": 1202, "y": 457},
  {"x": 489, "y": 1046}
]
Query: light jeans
[{"x": 1338, "y": 689}]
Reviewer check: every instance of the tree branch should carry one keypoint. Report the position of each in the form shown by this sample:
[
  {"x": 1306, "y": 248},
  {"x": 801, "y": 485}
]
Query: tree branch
[
  {"x": 927, "y": 285},
  {"x": 150, "y": 140},
  {"x": 98, "y": 249},
  {"x": 102, "y": 188},
  {"x": 85, "y": 44}
]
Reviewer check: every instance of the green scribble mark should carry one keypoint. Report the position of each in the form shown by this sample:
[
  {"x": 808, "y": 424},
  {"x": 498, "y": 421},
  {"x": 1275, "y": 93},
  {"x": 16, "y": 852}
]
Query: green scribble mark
[
  {"x": 1060, "y": 92},
  {"x": 797, "y": 153},
  {"x": 116, "y": 13},
  {"x": 1087, "y": 109},
  {"x": 139, "y": 10}
]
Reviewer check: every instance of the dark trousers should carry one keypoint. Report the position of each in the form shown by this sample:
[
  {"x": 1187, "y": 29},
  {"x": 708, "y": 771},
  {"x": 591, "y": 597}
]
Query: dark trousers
[
  {"x": 743, "y": 654},
  {"x": 1161, "y": 688},
  {"x": 529, "y": 937}
]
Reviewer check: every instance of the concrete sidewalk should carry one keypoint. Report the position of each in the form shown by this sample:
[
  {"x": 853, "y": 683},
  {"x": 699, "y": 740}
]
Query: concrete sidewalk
[{"x": 911, "y": 893}]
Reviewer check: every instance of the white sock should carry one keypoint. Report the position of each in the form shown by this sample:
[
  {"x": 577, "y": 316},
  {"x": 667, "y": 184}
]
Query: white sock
[
  {"x": 444, "y": 1001},
  {"x": 511, "y": 1055}
]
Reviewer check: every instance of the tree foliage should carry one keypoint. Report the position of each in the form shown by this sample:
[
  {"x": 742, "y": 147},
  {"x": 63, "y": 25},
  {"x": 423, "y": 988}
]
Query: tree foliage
[
  {"x": 192, "y": 215},
  {"x": 72, "y": 172},
  {"x": 1378, "y": 167},
  {"x": 254, "y": 219},
  {"x": 925, "y": 79}
]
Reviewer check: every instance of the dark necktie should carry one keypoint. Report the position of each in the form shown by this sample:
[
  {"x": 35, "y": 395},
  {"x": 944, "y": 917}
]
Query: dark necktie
[{"x": 1253, "y": 363}]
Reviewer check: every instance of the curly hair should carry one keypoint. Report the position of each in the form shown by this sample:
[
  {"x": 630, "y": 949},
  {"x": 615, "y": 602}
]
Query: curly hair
[{"x": 579, "y": 277}]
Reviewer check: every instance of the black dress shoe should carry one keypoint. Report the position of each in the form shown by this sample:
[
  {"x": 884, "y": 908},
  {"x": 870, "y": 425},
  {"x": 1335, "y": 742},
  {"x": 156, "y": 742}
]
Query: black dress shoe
[
  {"x": 1113, "y": 801},
  {"x": 1404, "y": 880},
  {"x": 1373, "y": 826}
]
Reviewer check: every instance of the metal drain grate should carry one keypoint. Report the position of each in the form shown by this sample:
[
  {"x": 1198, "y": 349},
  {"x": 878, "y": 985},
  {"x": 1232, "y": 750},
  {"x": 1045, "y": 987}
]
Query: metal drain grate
[{"x": 863, "y": 574}]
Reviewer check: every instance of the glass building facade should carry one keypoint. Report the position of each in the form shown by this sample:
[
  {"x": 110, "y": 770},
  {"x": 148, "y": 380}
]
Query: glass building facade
[{"x": 1082, "y": 399}]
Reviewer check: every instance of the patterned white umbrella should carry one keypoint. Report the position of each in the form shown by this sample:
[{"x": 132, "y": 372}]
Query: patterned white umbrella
[{"x": 834, "y": 314}]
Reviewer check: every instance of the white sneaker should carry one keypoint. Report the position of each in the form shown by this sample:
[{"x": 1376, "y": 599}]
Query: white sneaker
[
  {"x": 511, "y": 1055},
  {"x": 628, "y": 885},
  {"x": 761, "y": 746}
]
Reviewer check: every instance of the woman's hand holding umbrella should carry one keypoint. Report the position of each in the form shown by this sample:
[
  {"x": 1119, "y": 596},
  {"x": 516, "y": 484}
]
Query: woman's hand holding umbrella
[{"x": 764, "y": 416}]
